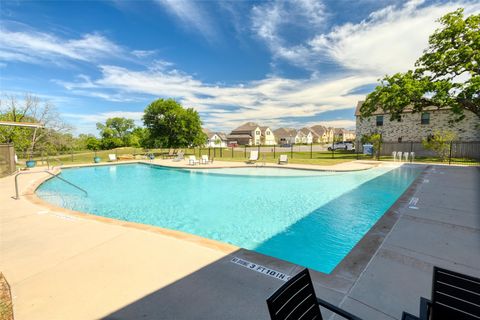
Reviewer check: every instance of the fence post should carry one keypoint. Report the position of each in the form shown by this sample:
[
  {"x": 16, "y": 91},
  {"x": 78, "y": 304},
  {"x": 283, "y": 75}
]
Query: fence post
[
  {"x": 232, "y": 151},
  {"x": 311, "y": 150},
  {"x": 258, "y": 149},
  {"x": 245, "y": 152},
  {"x": 450, "y": 156},
  {"x": 273, "y": 151},
  {"x": 291, "y": 151}
]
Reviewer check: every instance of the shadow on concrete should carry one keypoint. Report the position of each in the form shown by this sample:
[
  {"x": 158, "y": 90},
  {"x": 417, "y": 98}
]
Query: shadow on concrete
[
  {"x": 220, "y": 290},
  {"x": 224, "y": 290}
]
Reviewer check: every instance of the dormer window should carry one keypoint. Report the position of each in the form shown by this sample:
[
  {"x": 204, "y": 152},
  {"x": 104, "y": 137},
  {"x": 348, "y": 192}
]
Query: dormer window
[{"x": 258, "y": 132}]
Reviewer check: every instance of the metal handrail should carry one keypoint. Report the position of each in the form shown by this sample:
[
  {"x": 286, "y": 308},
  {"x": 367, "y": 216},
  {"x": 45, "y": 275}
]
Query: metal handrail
[
  {"x": 53, "y": 158},
  {"x": 17, "y": 196}
]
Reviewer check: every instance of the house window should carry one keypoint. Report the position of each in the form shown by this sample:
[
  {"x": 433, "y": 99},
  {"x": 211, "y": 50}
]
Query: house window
[
  {"x": 258, "y": 132},
  {"x": 425, "y": 118},
  {"x": 268, "y": 132},
  {"x": 400, "y": 139},
  {"x": 379, "y": 121}
]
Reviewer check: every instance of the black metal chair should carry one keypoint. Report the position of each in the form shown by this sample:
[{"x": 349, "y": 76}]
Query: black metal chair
[
  {"x": 455, "y": 296},
  {"x": 296, "y": 300}
]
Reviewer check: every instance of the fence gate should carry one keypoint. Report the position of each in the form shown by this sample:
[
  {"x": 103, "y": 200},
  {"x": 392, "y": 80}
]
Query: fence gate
[{"x": 7, "y": 159}]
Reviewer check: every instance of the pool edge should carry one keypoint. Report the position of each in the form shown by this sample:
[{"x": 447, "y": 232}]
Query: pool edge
[
  {"x": 30, "y": 195},
  {"x": 345, "y": 274}
]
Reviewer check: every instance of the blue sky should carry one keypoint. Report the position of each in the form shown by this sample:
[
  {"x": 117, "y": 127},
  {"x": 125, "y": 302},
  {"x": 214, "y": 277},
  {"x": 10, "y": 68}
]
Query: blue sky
[{"x": 280, "y": 63}]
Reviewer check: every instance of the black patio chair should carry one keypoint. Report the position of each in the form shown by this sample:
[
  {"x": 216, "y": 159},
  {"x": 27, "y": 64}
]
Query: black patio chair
[
  {"x": 296, "y": 300},
  {"x": 455, "y": 296}
]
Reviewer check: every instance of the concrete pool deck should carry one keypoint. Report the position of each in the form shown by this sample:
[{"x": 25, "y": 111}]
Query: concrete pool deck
[{"x": 62, "y": 266}]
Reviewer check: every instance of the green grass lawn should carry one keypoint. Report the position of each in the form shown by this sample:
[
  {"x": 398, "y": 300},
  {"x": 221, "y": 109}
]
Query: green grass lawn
[{"x": 319, "y": 158}]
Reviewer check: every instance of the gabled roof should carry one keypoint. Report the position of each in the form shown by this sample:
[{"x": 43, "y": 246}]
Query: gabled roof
[
  {"x": 319, "y": 129},
  {"x": 306, "y": 131},
  {"x": 248, "y": 126},
  {"x": 285, "y": 132}
]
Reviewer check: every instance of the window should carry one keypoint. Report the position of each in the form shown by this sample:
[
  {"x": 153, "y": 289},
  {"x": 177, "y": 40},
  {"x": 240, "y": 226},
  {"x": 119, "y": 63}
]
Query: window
[
  {"x": 379, "y": 121},
  {"x": 400, "y": 139},
  {"x": 258, "y": 132},
  {"x": 425, "y": 118},
  {"x": 268, "y": 132}
]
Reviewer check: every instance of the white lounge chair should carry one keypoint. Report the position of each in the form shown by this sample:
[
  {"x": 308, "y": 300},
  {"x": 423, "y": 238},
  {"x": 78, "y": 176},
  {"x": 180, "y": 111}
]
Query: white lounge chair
[
  {"x": 179, "y": 157},
  {"x": 112, "y": 157},
  {"x": 253, "y": 156},
  {"x": 205, "y": 160},
  {"x": 283, "y": 159},
  {"x": 192, "y": 160}
]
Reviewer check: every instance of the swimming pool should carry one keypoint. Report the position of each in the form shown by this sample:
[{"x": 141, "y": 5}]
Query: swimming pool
[{"x": 309, "y": 218}]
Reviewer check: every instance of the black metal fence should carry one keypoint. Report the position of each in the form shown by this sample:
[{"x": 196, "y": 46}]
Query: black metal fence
[{"x": 467, "y": 153}]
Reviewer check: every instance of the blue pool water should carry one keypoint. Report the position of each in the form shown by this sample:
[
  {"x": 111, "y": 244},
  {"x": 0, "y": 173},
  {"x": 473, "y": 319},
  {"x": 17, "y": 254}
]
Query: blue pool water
[{"x": 309, "y": 218}]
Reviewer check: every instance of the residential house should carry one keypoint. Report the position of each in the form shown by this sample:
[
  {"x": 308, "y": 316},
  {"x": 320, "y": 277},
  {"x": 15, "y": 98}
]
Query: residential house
[
  {"x": 305, "y": 135},
  {"x": 215, "y": 139},
  {"x": 341, "y": 134},
  {"x": 417, "y": 126},
  {"x": 285, "y": 135},
  {"x": 267, "y": 136},
  {"x": 251, "y": 133},
  {"x": 324, "y": 134}
]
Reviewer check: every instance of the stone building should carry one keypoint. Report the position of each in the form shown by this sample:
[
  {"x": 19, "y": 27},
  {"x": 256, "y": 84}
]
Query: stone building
[{"x": 417, "y": 126}]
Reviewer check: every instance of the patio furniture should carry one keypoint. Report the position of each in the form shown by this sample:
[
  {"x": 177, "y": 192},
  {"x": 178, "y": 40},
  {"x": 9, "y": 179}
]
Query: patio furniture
[
  {"x": 253, "y": 156},
  {"x": 296, "y": 300},
  {"x": 454, "y": 296},
  {"x": 171, "y": 154},
  {"x": 112, "y": 157},
  {"x": 192, "y": 160},
  {"x": 179, "y": 157},
  {"x": 283, "y": 159},
  {"x": 204, "y": 159}
]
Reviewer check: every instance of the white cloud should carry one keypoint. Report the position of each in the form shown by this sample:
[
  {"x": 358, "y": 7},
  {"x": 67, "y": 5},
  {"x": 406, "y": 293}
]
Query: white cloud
[
  {"x": 271, "y": 19},
  {"x": 270, "y": 101},
  {"x": 388, "y": 41},
  {"x": 191, "y": 15},
  {"x": 31, "y": 46}
]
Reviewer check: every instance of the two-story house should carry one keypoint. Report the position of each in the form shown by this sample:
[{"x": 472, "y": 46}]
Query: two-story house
[
  {"x": 251, "y": 133},
  {"x": 417, "y": 126},
  {"x": 215, "y": 139},
  {"x": 285, "y": 135}
]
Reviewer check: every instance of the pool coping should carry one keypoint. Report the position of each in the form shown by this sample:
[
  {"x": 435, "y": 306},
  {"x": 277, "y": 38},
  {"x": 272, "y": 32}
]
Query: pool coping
[{"x": 340, "y": 279}]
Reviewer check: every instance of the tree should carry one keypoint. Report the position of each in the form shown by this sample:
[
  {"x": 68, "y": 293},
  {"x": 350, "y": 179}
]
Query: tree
[
  {"x": 440, "y": 143},
  {"x": 31, "y": 109},
  {"x": 172, "y": 126},
  {"x": 93, "y": 143},
  {"x": 447, "y": 75},
  {"x": 115, "y": 132}
]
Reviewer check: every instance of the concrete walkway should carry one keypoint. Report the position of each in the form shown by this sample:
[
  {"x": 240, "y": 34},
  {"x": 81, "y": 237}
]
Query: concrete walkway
[
  {"x": 441, "y": 229},
  {"x": 63, "y": 266}
]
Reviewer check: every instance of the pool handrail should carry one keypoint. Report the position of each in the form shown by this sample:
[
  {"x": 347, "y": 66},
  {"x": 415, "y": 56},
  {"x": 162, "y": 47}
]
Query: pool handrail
[{"x": 17, "y": 196}]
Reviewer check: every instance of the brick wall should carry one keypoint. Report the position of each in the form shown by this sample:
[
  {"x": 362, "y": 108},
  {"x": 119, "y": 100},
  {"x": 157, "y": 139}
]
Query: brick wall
[{"x": 411, "y": 129}]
